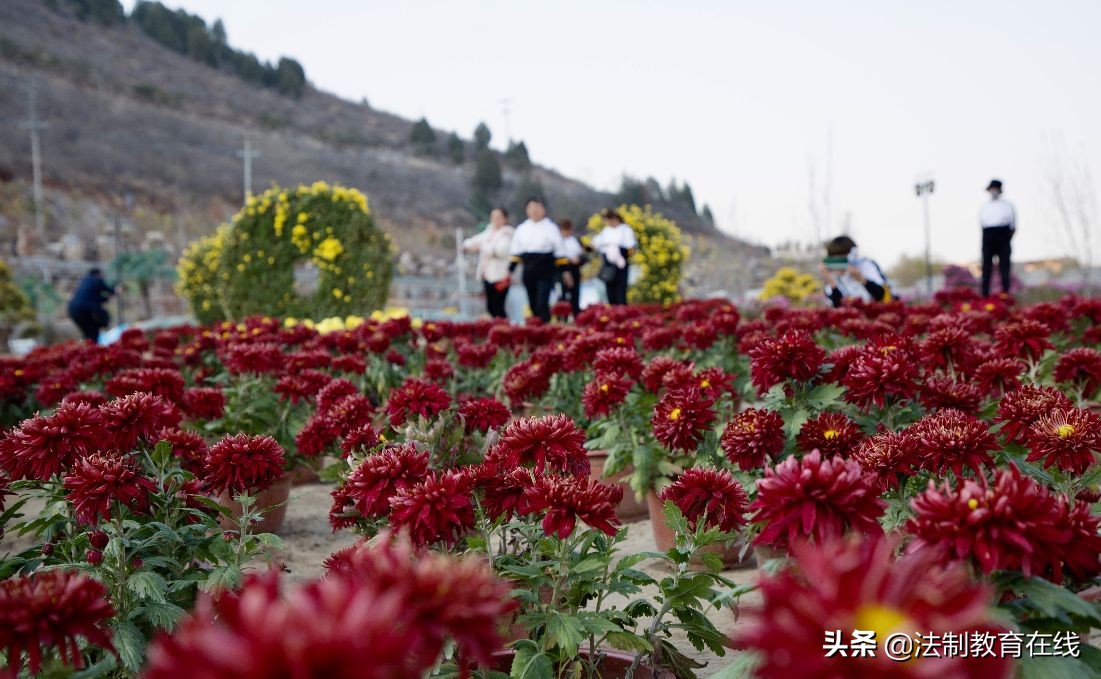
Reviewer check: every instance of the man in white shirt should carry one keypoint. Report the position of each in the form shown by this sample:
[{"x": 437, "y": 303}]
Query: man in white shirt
[
  {"x": 537, "y": 244},
  {"x": 999, "y": 223}
]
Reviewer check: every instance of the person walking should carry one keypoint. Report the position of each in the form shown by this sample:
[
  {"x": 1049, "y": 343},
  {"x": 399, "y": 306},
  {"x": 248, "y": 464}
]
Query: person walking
[
  {"x": 615, "y": 242},
  {"x": 999, "y": 222},
  {"x": 86, "y": 306},
  {"x": 571, "y": 271},
  {"x": 538, "y": 245},
  {"x": 850, "y": 276},
  {"x": 492, "y": 245}
]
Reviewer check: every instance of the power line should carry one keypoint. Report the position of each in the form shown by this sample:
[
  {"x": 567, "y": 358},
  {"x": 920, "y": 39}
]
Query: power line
[{"x": 35, "y": 125}]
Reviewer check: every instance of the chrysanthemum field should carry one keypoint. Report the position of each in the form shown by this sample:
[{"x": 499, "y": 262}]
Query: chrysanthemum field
[{"x": 690, "y": 490}]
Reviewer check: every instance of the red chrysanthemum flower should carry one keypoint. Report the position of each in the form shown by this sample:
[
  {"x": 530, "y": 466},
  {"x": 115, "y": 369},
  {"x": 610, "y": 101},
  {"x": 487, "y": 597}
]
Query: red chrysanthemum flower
[
  {"x": 881, "y": 371},
  {"x": 753, "y": 436},
  {"x": 1005, "y": 526},
  {"x": 887, "y": 456},
  {"x": 243, "y": 463},
  {"x": 416, "y": 397},
  {"x": 502, "y": 493},
  {"x": 812, "y": 498},
  {"x": 846, "y": 585},
  {"x": 948, "y": 348},
  {"x": 604, "y": 394},
  {"x": 1078, "y": 555},
  {"x": 1066, "y": 438},
  {"x": 333, "y": 392},
  {"x": 437, "y": 509},
  {"x": 715, "y": 382},
  {"x": 680, "y": 418},
  {"x": 525, "y": 380},
  {"x": 438, "y": 369},
  {"x": 204, "y": 403},
  {"x": 462, "y": 599},
  {"x": 91, "y": 397},
  {"x": 188, "y": 446},
  {"x": 653, "y": 374},
  {"x": 475, "y": 355},
  {"x": 834, "y": 434},
  {"x": 137, "y": 418},
  {"x": 951, "y": 440},
  {"x": 1020, "y": 409},
  {"x": 483, "y": 414},
  {"x": 318, "y": 433},
  {"x": 791, "y": 356},
  {"x": 567, "y": 499},
  {"x": 680, "y": 376},
  {"x": 709, "y": 494},
  {"x": 302, "y": 386},
  {"x": 1025, "y": 338},
  {"x": 166, "y": 383},
  {"x": 553, "y": 442},
  {"x": 1081, "y": 368},
  {"x": 999, "y": 375},
  {"x": 253, "y": 357},
  {"x": 619, "y": 361},
  {"x": 941, "y": 392},
  {"x": 367, "y": 491},
  {"x": 96, "y": 482},
  {"x": 350, "y": 412},
  {"x": 52, "y": 609},
  {"x": 361, "y": 439},
  {"x": 44, "y": 446}
]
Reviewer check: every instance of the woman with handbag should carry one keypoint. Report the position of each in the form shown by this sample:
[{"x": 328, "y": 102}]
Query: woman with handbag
[
  {"x": 492, "y": 246},
  {"x": 615, "y": 242}
]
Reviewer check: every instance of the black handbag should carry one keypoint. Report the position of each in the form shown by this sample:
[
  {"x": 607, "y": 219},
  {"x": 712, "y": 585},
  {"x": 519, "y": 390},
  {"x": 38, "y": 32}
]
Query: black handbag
[{"x": 608, "y": 272}]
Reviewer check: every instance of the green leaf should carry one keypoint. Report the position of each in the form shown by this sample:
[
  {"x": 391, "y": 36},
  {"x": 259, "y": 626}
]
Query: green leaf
[
  {"x": 712, "y": 561},
  {"x": 270, "y": 540},
  {"x": 130, "y": 645},
  {"x": 1051, "y": 599},
  {"x": 147, "y": 585},
  {"x": 223, "y": 577},
  {"x": 530, "y": 663},
  {"x": 210, "y": 503},
  {"x": 743, "y": 667},
  {"x": 591, "y": 564},
  {"x": 162, "y": 453},
  {"x": 164, "y": 616},
  {"x": 824, "y": 395},
  {"x": 1053, "y": 667},
  {"x": 566, "y": 632},
  {"x": 674, "y": 518},
  {"x": 794, "y": 422},
  {"x": 627, "y": 641}
]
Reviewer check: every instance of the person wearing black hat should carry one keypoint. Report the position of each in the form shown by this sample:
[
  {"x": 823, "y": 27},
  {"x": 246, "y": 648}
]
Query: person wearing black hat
[
  {"x": 86, "y": 306},
  {"x": 999, "y": 223}
]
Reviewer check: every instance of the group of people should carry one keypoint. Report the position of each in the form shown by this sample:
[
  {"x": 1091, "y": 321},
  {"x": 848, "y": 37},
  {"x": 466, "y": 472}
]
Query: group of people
[
  {"x": 548, "y": 255},
  {"x": 849, "y": 275}
]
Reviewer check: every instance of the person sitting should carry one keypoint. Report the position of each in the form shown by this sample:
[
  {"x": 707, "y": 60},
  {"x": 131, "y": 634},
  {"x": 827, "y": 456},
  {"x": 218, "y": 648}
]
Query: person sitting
[
  {"x": 851, "y": 276},
  {"x": 86, "y": 306}
]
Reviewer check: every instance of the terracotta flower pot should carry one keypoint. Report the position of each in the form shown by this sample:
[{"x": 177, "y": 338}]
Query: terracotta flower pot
[
  {"x": 630, "y": 508},
  {"x": 764, "y": 553},
  {"x": 272, "y": 502},
  {"x": 614, "y": 665},
  {"x": 665, "y": 539},
  {"x": 303, "y": 474}
]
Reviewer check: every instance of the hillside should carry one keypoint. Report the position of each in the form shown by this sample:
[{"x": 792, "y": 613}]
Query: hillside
[{"x": 141, "y": 134}]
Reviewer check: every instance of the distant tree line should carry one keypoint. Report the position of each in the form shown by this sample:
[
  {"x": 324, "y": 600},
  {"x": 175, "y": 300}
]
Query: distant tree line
[{"x": 189, "y": 35}]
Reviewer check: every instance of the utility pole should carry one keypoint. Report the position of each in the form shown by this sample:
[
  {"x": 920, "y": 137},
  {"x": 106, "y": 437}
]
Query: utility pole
[
  {"x": 923, "y": 189},
  {"x": 460, "y": 271},
  {"x": 33, "y": 124},
  {"x": 247, "y": 154}
]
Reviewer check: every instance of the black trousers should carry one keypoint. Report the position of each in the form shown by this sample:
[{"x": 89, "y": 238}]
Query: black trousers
[
  {"x": 617, "y": 287},
  {"x": 573, "y": 295},
  {"x": 89, "y": 321},
  {"x": 996, "y": 243},
  {"x": 495, "y": 300},
  {"x": 538, "y": 278}
]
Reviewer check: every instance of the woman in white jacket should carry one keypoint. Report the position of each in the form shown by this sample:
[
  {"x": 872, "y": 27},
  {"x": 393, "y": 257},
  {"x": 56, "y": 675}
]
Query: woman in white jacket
[
  {"x": 492, "y": 246},
  {"x": 616, "y": 242}
]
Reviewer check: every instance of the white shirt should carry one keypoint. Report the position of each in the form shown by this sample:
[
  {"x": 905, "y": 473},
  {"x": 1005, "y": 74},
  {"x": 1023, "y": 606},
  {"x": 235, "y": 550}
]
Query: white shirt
[
  {"x": 493, "y": 247},
  {"x": 571, "y": 248},
  {"x": 998, "y": 212},
  {"x": 541, "y": 237},
  {"x": 611, "y": 238},
  {"x": 852, "y": 288}
]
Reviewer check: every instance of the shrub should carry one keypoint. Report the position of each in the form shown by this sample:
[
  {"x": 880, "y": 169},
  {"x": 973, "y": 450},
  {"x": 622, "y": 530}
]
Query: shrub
[
  {"x": 314, "y": 251},
  {"x": 660, "y": 255},
  {"x": 792, "y": 285}
]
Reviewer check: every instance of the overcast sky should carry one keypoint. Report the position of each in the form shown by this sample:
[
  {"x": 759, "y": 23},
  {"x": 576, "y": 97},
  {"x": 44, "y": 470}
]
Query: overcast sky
[{"x": 740, "y": 98}]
